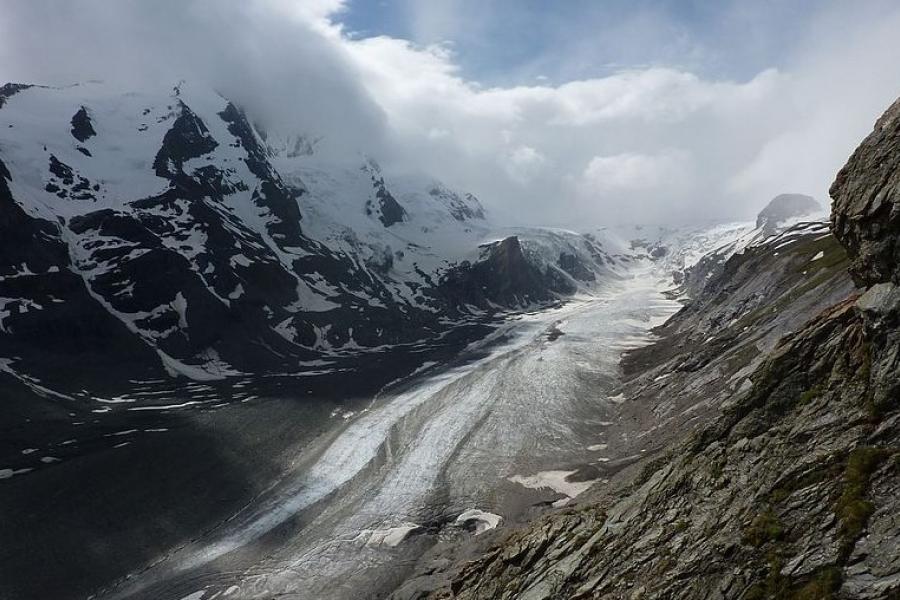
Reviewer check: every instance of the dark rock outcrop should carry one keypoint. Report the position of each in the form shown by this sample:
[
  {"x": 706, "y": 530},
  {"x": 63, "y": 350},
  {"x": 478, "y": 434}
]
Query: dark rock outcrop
[
  {"x": 385, "y": 206},
  {"x": 82, "y": 127},
  {"x": 10, "y": 89},
  {"x": 188, "y": 138},
  {"x": 48, "y": 320},
  {"x": 502, "y": 277},
  {"x": 866, "y": 218},
  {"x": 784, "y": 207},
  {"x": 272, "y": 193},
  {"x": 866, "y": 209}
]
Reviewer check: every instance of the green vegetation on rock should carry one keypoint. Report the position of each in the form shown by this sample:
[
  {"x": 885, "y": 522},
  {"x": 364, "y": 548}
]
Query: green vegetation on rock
[{"x": 852, "y": 508}]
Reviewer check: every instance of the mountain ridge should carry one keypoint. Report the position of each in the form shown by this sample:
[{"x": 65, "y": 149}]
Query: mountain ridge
[{"x": 188, "y": 227}]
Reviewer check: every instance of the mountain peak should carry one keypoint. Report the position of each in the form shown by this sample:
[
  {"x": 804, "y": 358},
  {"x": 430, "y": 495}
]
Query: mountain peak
[{"x": 784, "y": 207}]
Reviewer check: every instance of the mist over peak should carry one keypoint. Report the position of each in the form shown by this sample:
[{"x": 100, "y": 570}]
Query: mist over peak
[{"x": 665, "y": 141}]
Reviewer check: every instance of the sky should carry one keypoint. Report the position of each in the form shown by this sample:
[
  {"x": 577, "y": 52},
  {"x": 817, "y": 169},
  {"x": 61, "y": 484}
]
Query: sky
[{"x": 575, "y": 113}]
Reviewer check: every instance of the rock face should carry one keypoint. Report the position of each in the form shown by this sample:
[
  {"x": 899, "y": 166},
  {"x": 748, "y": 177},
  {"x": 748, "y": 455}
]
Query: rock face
[
  {"x": 383, "y": 206},
  {"x": 7, "y": 90},
  {"x": 781, "y": 485},
  {"x": 866, "y": 218},
  {"x": 784, "y": 207},
  {"x": 82, "y": 128},
  {"x": 501, "y": 276},
  {"x": 866, "y": 210}
]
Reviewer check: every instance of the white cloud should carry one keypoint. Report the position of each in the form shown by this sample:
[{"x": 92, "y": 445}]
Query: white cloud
[
  {"x": 623, "y": 173},
  {"x": 525, "y": 164},
  {"x": 648, "y": 143}
]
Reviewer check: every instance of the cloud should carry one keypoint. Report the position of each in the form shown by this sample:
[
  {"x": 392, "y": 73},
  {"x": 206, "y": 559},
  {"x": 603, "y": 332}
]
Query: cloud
[
  {"x": 644, "y": 143},
  {"x": 843, "y": 81},
  {"x": 623, "y": 173},
  {"x": 524, "y": 164},
  {"x": 282, "y": 59}
]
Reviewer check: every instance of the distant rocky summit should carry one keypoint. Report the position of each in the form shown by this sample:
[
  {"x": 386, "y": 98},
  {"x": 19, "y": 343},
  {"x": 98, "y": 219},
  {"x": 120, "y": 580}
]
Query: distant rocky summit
[{"x": 784, "y": 207}]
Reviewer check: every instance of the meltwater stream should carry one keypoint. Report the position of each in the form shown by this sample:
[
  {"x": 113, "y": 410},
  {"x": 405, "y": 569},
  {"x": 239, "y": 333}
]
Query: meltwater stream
[{"x": 466, "y": 438}]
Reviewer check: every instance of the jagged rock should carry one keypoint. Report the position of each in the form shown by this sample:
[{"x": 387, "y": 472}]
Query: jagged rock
[
  {"x": 866, "y": 209},
  {"x": 386, "y": 207},
  {"x": 188, "y": 138},
  {"x": 8, "y": 90},
  {"x": 502, "y": 276},
  {"x": 82, "y": 127}
]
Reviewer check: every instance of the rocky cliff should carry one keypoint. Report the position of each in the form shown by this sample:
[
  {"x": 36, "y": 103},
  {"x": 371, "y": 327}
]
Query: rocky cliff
[
  {"x": 773, "y": 466},
  {"x": 866, "y": 211}
]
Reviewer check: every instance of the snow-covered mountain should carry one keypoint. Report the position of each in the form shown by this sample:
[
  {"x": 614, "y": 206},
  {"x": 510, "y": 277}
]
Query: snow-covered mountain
[{"x": 162, "y": 234}]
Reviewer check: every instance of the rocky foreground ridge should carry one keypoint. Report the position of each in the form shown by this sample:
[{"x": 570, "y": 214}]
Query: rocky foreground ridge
[{"x": 788, "y": 484}]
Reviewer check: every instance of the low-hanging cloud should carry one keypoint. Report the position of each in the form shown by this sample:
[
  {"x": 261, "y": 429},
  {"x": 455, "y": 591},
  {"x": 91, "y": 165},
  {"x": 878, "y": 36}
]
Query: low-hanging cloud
[{"x": 650, "y": 144}]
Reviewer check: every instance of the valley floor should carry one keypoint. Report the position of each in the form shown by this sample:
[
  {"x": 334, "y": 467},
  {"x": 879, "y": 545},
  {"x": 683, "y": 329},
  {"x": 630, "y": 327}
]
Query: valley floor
[{"x": 516, "y": 423}]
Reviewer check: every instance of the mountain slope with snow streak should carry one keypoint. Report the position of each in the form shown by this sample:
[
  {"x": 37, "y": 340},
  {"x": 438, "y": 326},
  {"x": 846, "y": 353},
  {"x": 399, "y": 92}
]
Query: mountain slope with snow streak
[{"x": 164, "y": 233}]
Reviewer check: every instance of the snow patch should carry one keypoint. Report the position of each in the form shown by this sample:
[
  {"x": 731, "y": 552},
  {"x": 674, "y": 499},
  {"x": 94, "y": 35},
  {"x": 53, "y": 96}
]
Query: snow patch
[
  {"x": 7, "y": 473},
  {"x": 237, "y": 293},
  {"x": 554, "y": 480},
  {"x": 484, "y": 521},
  {"x": 392, "y": 536}
]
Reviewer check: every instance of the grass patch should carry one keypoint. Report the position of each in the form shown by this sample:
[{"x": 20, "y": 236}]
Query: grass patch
[
  {"x": 852, "y": 509},
  {"x": 823, "y": 585},
  {"x": 775, "y": 584},
  {"x": 811, "y": 394},
  {"x": 764, "y": 528},
  {"x": 834, "y": 256},
  {"x": 742, "y": 357}
]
